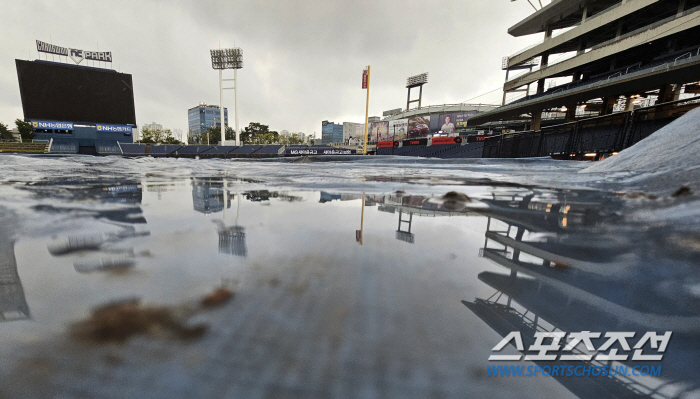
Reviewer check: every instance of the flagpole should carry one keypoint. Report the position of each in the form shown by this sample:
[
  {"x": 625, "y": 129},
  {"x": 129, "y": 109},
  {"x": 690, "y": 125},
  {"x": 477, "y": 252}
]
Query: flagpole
[{"x": 364, "y": 151}]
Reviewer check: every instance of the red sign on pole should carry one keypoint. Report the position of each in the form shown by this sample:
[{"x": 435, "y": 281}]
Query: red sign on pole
[{"x": 364, "y": 79}]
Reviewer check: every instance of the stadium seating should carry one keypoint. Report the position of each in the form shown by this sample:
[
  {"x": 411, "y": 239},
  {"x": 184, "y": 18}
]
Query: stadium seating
[
  {"x": 24, "y": 147},
  {"x": 270, "y": 149},
  {"x": 246, "y": 149},
  {"x": 64, "y": 147},
  {"x": 163, "y": 150},
  {"x": 108, "y": 149},
  {"x": 220, "y": 149},
  {"x": 193, "y": 149},
  {"x": 133, "y": 149}
]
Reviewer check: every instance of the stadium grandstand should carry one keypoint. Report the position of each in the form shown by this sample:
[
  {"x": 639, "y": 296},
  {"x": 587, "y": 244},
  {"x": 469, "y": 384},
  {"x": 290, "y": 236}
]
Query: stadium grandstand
[{"x": 612, "y": 56}]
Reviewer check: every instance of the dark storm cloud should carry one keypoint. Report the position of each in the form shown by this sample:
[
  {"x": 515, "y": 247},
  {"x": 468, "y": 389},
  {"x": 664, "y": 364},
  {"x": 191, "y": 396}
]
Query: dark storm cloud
[{"x": 303, "y": 59}]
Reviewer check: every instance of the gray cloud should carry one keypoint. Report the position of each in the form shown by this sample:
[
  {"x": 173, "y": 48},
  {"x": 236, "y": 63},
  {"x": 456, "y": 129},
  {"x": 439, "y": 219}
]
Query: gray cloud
[{"x": 303, "y": 59}]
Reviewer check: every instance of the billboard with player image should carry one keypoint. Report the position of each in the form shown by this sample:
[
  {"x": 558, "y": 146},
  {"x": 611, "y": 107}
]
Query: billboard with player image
[
  {"x": 398, "y": 129},
  {"x": 379, "y": 131}
]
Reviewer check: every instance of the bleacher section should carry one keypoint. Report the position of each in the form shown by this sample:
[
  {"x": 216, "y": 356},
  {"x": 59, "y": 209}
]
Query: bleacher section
[
  {"x": 29, "y": 148},
  {"x": 64, "y": 147},
  {"x": 193, "y": 149},
  {"x": 132, "y": 149},
  {"x": 270, "y": 149},
  {"x": 220, "y": 149},
  {"x": 246, "y": 149},
  {"x": 108, "y": 149},
  {"x": 162, "y": 150}
]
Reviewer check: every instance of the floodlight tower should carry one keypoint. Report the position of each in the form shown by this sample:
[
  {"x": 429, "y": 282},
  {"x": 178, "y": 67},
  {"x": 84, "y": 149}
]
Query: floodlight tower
[
  {"x": 416, "y": 81},
  {"x": 230, "y": 58}
]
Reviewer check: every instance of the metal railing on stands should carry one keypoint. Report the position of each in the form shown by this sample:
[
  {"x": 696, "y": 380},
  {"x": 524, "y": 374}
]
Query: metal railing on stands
[
  {"x": 603, "y": 44},
  {"x": 607, "y": 79}
]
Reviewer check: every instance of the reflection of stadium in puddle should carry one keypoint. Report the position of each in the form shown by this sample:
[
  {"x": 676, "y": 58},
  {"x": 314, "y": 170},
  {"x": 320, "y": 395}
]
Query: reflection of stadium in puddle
[
  {"x": 581, "y": 281},
  {"x": 125, "y": 219},
  {"x": 13, "y": 304}
]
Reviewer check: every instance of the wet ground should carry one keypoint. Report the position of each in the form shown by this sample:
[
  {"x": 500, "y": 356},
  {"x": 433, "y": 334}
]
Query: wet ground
[{"x": 347, "y": 278}]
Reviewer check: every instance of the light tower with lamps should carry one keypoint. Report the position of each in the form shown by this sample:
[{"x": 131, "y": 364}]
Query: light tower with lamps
[{"x": 230, "y": 58}]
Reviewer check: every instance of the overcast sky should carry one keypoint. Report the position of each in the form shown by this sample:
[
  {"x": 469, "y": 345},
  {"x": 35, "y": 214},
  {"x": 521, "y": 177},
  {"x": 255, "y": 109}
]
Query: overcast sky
[{"x": 303, "y": 60}]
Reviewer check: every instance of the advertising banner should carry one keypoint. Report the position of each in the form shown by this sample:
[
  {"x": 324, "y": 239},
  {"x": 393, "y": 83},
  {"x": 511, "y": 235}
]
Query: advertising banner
[
  {"x": 446, "y": 140},
  {"x": 418, "y": 127},
  {"x": 446, "y": 122},
  {"x": 114, "y": 128},
  {"x": 340, "y": 151},
  {"x": 364, "y": 79},
  {"x": 461, "y": 118},
  {"x": 52, "y": 125},
  {"x": 410, "y": 142},
  {"x": 398, "y": 129},
  {"x": 379, "y": 131},
  {"x": 360, "y": 131}
]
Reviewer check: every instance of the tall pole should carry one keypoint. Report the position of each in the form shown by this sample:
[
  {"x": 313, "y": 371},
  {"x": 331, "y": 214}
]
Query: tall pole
[
  {"x": 362, "y": 218},
  {"x": 364, "y": 151},
  {"x": 235, "y": 103},
  {"x": 221, "y": 107}
]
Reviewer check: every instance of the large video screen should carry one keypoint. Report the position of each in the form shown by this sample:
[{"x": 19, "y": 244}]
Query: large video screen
[{"x": 60, "y": 92}]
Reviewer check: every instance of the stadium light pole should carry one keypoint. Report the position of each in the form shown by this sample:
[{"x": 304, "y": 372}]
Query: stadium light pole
[{"x": 230, "y": 58}]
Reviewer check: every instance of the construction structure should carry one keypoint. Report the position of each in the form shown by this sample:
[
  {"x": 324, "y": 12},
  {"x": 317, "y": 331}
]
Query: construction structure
[{"x": 600, "y": 56}]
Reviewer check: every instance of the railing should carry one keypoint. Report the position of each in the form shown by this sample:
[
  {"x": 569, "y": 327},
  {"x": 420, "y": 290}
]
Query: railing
[
  {"x": 608, "y": 42},
  {"x": 428, "y": 108},
  {"x": 582, "y": 85},
  {"x": 561, "y": 32}
]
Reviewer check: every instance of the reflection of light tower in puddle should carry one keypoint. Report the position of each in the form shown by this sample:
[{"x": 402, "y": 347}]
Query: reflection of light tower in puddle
[
  {"x": 405, "y": 235},
  {"x": 232, "y": 239}
]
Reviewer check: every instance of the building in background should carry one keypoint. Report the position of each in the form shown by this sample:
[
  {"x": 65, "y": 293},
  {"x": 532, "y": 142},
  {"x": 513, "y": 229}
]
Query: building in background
[
  {"x": 374, "y": 119},
  {"x": 331, "y": 132},
  {"x": 153, "y": 126},
  {"x": 203, "y": 116}
]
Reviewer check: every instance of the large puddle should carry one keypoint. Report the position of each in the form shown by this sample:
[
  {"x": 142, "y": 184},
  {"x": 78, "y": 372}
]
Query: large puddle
[{"x": 402, "y": 291}]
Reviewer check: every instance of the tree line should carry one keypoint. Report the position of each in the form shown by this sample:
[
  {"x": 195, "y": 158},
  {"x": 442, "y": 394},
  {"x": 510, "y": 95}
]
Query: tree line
[{"x": 24, "y": 129}]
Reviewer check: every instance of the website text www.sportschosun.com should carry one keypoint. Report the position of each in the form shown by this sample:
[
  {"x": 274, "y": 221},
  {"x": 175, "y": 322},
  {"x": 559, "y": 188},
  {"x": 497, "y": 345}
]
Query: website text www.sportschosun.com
[{"x": 572, "y": 371}]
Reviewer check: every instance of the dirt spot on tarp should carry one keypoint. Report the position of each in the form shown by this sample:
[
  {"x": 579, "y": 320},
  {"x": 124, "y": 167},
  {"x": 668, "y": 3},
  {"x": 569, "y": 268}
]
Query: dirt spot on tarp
[
  {"x": 117, "y": 322},
  {"x": 217, "y": 298},
  {"x": 682, "y": 192}
]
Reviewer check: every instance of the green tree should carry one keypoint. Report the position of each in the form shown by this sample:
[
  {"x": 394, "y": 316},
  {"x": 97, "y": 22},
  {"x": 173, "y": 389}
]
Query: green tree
[
  {"x": 25, "y": 130},
  {"x": 5, "y": 133},
  {"x": 158, "y": 136},
  {"x": 149, "y": 136},
  {"x": 257, "y": 133},
  {"x": 291, "y": 139}
]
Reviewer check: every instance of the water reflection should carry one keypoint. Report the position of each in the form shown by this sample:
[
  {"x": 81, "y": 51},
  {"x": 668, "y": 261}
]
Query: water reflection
[
  {"x": 208, "y": 195},
  {"x": 569, "y": 274},
  {"x": 13, "y": 304},
  {"x": 551, "y": 260},
  {"x": 118, "y": 225}
]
